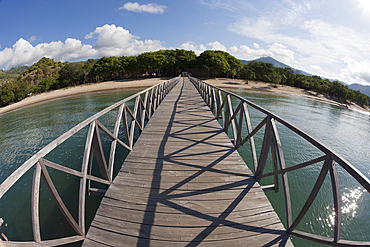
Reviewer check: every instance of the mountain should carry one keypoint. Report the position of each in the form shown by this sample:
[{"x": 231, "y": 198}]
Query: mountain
[
  {"x": 276, "y": 63},
  {"x": 363, "y": 89}
]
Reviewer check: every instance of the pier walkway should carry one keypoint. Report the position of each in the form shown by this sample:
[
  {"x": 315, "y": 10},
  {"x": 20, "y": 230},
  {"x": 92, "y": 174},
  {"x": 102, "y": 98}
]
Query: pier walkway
[{"x": 184, "y": 184}]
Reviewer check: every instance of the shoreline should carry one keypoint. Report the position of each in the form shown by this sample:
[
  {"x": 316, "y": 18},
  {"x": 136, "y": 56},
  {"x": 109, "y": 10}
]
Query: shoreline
[
  {"x": 238, "y": 84},
  {"x": 126, "y": 84}
]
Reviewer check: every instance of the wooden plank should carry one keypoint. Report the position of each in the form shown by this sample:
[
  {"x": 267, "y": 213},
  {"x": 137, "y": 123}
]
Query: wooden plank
[
  {"x": 46, "y": 243},
  {"x": 185, "y": 184}
]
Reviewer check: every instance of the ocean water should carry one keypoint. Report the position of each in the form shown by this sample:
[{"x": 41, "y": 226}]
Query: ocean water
[{"x": 347, "y": 132}]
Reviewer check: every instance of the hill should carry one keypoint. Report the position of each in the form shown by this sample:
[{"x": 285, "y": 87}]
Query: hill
[
  {"x": 357, "y": 87},
  {"x": 363, "y": 89},
  {"x": 276, "y": 63},
  {"x": 11, "y": 75}
]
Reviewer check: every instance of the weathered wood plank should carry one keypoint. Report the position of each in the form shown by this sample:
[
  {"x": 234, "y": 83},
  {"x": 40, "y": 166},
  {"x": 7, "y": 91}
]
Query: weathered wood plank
[{"x": 184, "y": 183}]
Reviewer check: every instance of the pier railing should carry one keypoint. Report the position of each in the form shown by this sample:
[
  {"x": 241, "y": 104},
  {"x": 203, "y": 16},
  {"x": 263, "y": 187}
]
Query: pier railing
[
  {"x": 233, "y": 119},
  {"x": 146, "y": 102}
]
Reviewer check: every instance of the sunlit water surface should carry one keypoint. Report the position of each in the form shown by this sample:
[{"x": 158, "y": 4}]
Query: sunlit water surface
[{"x": 347, "y": 132}]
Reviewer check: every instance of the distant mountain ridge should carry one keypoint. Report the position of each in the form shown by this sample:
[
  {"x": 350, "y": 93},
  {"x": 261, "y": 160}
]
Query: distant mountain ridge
[
  {"x": 363, "y": 89},
  {"x": 276, "y": 63}
]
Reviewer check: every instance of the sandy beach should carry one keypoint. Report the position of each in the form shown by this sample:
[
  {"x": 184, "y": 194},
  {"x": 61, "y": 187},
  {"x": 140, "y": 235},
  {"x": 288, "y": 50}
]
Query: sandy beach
[
  {"x": 82, "y": 89},
  {"x": 237, "y": 84},
  {"x": 147, "y": 82}
]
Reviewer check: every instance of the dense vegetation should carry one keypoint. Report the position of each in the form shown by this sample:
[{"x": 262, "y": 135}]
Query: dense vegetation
[
  {"x": 11, "y": 75},
  {"x": 47, "y": 74}
]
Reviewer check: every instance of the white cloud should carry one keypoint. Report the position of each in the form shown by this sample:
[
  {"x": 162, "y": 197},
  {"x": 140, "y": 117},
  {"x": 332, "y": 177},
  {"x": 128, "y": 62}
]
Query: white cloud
[
  {"x": 111, "y": 41},
  {"x": 314, "y": 39},
  {"x": 257, "y": 46},
  {"x": 198, "y": 49},
  {"x": 276, "y": 50},
  {"x": 356, "y": 71},
  {"x": 33, "y": 38},
  {"x": 151, "y": 8},
  {"x": 217, "y": 46}
]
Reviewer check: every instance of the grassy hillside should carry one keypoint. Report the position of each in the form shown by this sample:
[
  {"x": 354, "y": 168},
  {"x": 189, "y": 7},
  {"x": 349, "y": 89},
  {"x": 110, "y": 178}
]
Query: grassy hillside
[{"x": 11, "y": 75}]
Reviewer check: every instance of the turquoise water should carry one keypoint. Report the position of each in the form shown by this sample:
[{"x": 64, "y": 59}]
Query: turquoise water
[
  {"x": 347, "y": 132},
  {"x": 26, "y": 131}
]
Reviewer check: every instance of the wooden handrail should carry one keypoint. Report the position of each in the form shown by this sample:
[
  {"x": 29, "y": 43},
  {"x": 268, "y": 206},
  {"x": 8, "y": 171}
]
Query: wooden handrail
[
  {"x": 221, "y": 107},
  {"x": 143, "y": 110}
]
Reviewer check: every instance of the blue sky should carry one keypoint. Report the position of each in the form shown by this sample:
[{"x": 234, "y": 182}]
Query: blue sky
[{"x": 328, "y": 38}]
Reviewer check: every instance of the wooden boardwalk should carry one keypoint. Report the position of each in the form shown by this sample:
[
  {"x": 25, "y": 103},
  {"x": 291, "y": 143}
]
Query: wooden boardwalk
[{"x": 184, "y": 184}]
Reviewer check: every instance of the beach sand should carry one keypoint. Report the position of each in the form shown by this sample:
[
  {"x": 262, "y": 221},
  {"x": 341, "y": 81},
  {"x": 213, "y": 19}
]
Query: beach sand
[
  {"x": 82, "y": 89},
  {"x": 237, "y": 84},
  {"x": 147, "y": 82}
]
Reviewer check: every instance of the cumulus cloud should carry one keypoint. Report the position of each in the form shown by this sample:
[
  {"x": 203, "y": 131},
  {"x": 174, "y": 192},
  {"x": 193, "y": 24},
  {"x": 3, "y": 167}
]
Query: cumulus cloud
[
  {"x": 33, "y": 38},
  {"x": 151, "y": 8},
  {"x": 356, "y": 71},
  {"x": 217, "y": 46},
  {"x": 276, "y": 50},
  {"x": 111, "y": 41},
  {"x": 198, "y": 49},
  {"x": 114, "y": 41},
  {"x": 296, "y": 25}
]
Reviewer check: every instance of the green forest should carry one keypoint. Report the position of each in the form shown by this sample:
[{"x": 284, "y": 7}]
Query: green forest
[{"x": 47, "y": 74}]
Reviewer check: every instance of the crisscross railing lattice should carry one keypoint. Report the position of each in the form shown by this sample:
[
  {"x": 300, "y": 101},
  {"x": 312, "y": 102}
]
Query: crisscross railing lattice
[
  {"x": 146, "y": 103},
  {"x": 219, "y": 101}
]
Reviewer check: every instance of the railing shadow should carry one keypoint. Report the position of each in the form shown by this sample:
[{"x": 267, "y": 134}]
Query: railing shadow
[
  {"x": 132, "y": 121},
  {"x": 167, "y": 197},
  {"x": 234, "y": 119}
]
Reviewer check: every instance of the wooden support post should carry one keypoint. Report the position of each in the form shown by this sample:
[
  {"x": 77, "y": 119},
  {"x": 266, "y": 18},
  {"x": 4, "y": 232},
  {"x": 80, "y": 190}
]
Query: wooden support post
[
  {"x": 114, "y": 143},
  {"x": 35, "y": 203},
  {"x": 99, "y": 153},
  {"x": 264, "y": 150},
  {"x": 337, "y": 201},
  {"x": 284, "y": 176},
  {"x": 251, "y": 139},
  {"x": 84, "y": 169},
  {"x": 59, "y": 201},
  {"x": 313, "y": 194}
]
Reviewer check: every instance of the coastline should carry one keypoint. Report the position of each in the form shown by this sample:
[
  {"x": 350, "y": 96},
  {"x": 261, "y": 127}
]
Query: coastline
[
  {"x": 83, "y": 89},
  {"x": 235, "y": 84}
]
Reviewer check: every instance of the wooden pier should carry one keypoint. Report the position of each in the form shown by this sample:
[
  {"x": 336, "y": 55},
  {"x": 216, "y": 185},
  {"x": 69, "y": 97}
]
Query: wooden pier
[{"x": 184, "y": 184}]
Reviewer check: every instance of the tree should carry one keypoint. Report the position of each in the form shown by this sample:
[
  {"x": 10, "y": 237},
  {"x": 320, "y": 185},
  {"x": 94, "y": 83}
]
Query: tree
[
  {"x": 276, "y": 78},
  {"x": 184, "y": 59},
  {"x": 213, "y": 62},
  {"x": 234, "y": 64},
  {"x": 71, "y": 73},
  {"x": 106, "y": 68},
  {"x": 6, "y": 94},
  {"x": 131, "y": 65},
  {"x": 247, "y": 73}
]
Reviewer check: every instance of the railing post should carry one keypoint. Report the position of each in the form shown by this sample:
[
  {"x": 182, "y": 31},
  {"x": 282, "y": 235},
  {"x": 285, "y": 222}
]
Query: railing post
[
  {"x": 114, "y": 142},
  {"x": 337, "y": 201},
  {"x": 85, "y": 165},
  {"x": 35, "y": 203}
]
